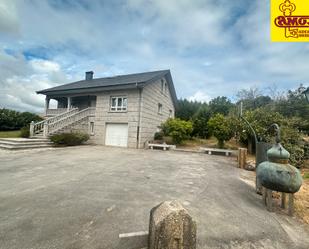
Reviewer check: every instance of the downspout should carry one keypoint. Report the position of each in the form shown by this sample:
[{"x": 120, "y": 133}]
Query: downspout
[{"x": 139, "y": 115}]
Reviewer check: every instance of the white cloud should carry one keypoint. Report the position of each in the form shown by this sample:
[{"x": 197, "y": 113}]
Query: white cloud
[
  {"x": 8, "y": 17},
  {"x": 200, "y": 96},
  {"x": 45, "y": 66}
]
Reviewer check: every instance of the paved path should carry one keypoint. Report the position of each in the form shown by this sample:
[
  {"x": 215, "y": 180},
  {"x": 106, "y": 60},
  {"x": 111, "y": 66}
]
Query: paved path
[{"x": 83, "y": 197}]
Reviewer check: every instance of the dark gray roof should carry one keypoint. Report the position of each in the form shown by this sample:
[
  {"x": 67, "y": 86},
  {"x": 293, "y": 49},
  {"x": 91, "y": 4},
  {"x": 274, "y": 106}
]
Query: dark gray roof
[{"x": 110, "y": 83}]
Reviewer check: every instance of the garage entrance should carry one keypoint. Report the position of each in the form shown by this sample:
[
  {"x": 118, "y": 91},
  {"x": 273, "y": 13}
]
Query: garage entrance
[{"x": 116, "y": 134}]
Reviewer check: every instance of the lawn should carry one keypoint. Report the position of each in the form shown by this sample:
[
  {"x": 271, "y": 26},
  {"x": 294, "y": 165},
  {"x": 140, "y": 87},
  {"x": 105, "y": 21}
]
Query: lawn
[{"x": 9, "y": 134}]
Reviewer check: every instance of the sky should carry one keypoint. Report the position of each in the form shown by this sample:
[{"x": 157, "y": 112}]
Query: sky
[{"x": 212, "y": 47}]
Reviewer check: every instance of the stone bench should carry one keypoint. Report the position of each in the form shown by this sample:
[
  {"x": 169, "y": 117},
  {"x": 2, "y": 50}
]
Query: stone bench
[
  {"x": 210, "y": 151},
  {"x": 164, "y": 146}
]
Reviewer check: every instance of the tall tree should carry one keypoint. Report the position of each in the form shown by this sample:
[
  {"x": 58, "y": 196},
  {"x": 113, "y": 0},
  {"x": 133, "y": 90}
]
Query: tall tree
[
  {"x": 186, "y": 109},
  {"x": 220, "y": 105}
]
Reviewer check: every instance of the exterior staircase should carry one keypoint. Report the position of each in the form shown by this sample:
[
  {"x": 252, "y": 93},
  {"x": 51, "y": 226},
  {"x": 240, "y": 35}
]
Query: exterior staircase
[
  {"x": 57, "y": 124},
  {"x": 40, "y": 131},
  {"x": 24, "y": 143}
]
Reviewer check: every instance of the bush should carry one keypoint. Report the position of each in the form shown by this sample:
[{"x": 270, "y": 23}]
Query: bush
[
  {"x": 291, "y": 138},
  {"x": 178, "y": 129},
  {"x": 222, "y": 128},
  {"x": 158, "y": 135},
  {"x": 200, "y": 120},
  {"x": 25, "y": 132},
  {"x": 306, "y": 150},
  {"x": 13, "y": 120},
  {"x": 69, "y": 139}
]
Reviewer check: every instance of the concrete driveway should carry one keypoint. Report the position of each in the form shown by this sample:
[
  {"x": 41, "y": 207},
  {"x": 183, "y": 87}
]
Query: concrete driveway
[{"x": 84, "y": 197}]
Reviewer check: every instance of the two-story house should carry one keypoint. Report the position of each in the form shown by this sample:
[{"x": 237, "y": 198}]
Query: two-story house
[{"x": 124, "y": 110}]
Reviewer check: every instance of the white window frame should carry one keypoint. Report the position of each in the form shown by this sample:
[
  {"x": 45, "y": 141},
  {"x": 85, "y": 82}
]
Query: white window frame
[
  {"x": 119, "y": 108},
  {"x": 91, "y": 127},
  {"x": 160, "y": 108},
  {"x": 162, "y": 85}
]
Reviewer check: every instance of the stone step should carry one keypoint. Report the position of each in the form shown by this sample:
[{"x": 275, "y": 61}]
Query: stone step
[
  {"x": 24, "y": 143},
  {"x": 26, "y": 147},
  {"x": 24, "y": 140}
]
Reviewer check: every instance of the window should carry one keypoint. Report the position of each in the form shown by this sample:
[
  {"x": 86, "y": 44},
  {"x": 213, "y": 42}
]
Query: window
[
  {"x": 119, "y": 104},
  {"x": 91, "y": 128},
  {"x": 170, "y": 114},
  {"x": 160, "y": 108},
  {"x": 162, "y": 85}
]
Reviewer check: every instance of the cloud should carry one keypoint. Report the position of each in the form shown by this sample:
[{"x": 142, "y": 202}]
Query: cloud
[
  {"x": 213, "y": 47},
  {"x": 8, "y": 17},
  {"x": 45, "y": 66},
  {"x": 200, "y": 96}
]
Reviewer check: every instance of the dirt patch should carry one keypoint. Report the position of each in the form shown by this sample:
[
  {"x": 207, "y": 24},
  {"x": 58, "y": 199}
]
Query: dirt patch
[{"x": 302, "y": 200}]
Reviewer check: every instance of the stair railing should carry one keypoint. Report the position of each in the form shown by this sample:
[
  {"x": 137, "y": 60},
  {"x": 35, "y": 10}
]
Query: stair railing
[
  {"x": 42, "y": 126},
  {"x": 68, "y": 120}
]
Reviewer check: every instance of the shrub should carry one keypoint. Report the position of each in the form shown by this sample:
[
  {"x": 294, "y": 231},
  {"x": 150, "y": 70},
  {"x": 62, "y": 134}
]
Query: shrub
[
  {"x": 306, "y": 150},
  {"x": 25, "y": 132},
  {"x": 178, "y": 129},
  {"x": 158, "y": 135},
  {"x": 69, "y": 139},
  {"x": 291, "y": 138},
  {"x": 222, "y": 128},
  {"x": 200, "y": 120}
]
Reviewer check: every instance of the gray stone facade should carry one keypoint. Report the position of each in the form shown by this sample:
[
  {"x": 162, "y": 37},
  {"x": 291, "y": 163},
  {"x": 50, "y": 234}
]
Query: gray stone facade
[
  {"x": 142, "y": 112},
  {"x": 153, "y": 95}
]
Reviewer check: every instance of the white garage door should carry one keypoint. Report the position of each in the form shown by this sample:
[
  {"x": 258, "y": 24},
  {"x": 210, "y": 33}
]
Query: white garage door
[{"x": 117, "y": 135}]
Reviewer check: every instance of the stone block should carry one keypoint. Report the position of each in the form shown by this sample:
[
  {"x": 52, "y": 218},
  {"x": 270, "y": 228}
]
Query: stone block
[{"x": 171, "y": 227}]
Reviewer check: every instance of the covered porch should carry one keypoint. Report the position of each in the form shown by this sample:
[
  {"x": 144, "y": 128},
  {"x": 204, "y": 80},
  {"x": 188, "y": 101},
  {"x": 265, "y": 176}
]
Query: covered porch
[{"x": 66, "y": 103}]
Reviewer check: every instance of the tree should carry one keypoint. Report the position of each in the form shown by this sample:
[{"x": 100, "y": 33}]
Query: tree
[
  {"x": 261, "y": 119},
  {"x": 221, "y": 105},
  {"x": 178, "y": 129},
  {"x": 13, "y": 120},
  {"x": 186, "y": 109},
  {"x": 200, "y": 120},
  {"x": 251, "y": 93},
  {"x": 221, "y": 128}
]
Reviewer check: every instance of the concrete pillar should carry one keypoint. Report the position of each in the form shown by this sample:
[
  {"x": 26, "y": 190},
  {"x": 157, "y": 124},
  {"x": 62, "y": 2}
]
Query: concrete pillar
[
  {"x": 171, "y": 227},
  {"x": 47, "y": 99},
  {"x": 242, "y": 157},
  {"x": 69, "y": 103},
  {"x": 45, "y": 130},
  {"x": 31, "y": 129}
]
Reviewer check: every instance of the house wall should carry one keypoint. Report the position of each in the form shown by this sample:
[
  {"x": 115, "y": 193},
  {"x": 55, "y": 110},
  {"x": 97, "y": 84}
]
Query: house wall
[
  {"x": 103, "y": 115},
  {"x": 82, "y": 126},
  {"x": 150, "y": 118}
]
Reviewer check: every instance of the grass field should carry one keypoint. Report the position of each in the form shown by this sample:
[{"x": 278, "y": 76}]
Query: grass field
[{"x": 9, "y": 134}]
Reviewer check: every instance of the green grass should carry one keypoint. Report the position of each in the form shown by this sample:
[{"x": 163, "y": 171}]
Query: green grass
[
  {"x": 9, "y": 134},
  {"x": 306, "y": 175}
]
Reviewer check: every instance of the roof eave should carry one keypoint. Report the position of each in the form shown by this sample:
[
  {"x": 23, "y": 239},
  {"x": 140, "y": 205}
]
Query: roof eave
[{"x": 91, "y": 89}]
